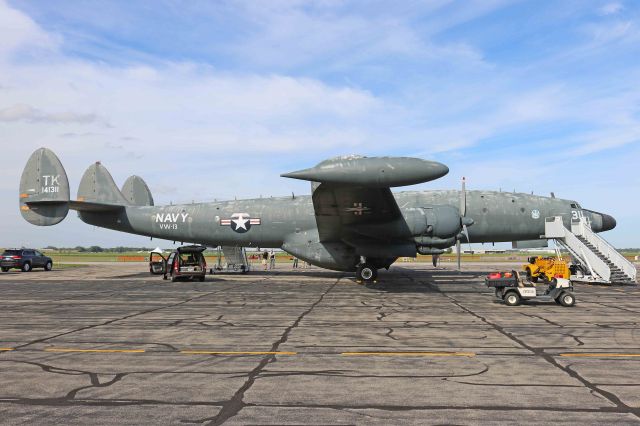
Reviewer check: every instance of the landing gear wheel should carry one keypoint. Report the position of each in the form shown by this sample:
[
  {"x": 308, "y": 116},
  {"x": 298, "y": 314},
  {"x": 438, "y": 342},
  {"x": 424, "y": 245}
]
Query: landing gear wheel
[
  {"x": 366, "y": 273},
  {"x": 26, "y": 267},
  {"x": 512, "y": 298},
  {"x": 48, "y": 266},
  {"x": 567, "y": 299}
]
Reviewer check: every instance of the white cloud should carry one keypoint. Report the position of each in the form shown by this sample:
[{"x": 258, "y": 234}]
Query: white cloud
[
  {"x": 17, "y": 30},
  {"x": 611, "y": 8},
  {"x": 23, "y": 112},
  {"x": 197, "y": 132}
]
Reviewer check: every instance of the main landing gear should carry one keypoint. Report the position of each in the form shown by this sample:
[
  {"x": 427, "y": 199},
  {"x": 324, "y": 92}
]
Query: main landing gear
[{"x": 365, "y": 271}]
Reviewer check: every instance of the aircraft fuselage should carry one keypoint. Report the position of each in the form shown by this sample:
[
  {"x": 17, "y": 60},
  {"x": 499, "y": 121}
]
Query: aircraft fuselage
[{"x": 266, "y": 222}]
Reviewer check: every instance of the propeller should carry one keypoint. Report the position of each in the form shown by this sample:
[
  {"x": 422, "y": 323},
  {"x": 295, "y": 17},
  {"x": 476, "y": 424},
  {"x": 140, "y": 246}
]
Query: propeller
[{"x": 464, "y": 221}]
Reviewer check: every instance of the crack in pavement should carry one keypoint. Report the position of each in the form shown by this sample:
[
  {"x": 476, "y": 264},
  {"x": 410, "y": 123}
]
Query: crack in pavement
[
  {"x": 233, "y": 406},
  {"x": 404, "y": 408},
  {"x": 111, "y": 321},
  {"x": 343, "y": 373},
  {"x": 620, "y": 406}
]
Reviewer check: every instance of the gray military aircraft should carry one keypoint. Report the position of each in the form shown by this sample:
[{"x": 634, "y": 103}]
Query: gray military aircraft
[{"x": 351, "y": 222}]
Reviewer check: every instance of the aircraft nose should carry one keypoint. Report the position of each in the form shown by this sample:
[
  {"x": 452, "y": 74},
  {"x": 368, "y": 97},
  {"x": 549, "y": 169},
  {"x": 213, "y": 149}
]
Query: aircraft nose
[
  {"x": 608, "y": 222},
  {"x": 601, "y": 222}
]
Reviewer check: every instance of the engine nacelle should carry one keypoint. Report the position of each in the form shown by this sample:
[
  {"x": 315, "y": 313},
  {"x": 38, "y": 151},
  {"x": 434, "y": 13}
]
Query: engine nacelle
[
  {"x": 442, "y": 221},
  {"x": 443, "y": 225}
]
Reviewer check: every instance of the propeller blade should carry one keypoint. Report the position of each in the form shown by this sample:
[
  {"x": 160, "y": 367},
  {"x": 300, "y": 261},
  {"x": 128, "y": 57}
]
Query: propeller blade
[
  {"x": 463, "y": 198},
  {"x": 465, "y": 231},
  {"x": 458, "y": 252}
]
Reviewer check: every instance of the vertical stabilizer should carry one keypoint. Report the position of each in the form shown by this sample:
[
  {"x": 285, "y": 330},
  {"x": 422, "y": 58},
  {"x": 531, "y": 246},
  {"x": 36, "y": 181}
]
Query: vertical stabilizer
[
  {"x": 97, "y": 186},
  {"x": 44, "y": 189},
  {"x": 136, "y": 191}
]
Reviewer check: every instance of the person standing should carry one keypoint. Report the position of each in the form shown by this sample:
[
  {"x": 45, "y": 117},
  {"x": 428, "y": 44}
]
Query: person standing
[
  {"x": 265, "y": 257},
  {"x": 295, "y": 262},
  {"x": 272, "y": 260}
]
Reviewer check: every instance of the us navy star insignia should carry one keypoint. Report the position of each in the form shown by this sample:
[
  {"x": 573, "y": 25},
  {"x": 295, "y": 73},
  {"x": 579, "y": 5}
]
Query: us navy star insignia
[{"x": 240, "y": 222}]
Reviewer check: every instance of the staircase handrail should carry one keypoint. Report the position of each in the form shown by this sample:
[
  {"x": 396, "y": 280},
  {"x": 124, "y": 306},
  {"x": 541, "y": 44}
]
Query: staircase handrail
[
  {"x": 554, "y": 228},
  {"x": 607, "y": 250}
]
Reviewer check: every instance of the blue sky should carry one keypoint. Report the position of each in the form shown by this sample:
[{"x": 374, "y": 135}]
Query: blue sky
[{"x": 211, "y": 100}]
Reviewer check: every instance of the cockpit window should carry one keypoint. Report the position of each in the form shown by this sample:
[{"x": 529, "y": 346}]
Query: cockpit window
[{"x": 574, "y": 206}]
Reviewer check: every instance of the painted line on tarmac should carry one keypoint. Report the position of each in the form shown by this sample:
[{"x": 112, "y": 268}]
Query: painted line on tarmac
[
  {"x": 236, "y": 353},
  {"x": 599, "y": 355},
  {"x": 127, "y": 351},
  {"x": 6, "y": 349},
  {"x": 467, "y": 354}
]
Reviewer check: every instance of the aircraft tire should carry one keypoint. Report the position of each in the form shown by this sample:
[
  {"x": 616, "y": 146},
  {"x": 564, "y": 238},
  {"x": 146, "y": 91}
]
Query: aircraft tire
[
  {"x": 567, "y": 299},
  {"x": 366, "y": 272},
  {"x": 512, "y": 298}
]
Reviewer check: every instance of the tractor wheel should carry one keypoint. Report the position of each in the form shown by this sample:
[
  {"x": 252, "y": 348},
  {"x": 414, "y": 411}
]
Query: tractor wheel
[{"x": 530, "y": 276}]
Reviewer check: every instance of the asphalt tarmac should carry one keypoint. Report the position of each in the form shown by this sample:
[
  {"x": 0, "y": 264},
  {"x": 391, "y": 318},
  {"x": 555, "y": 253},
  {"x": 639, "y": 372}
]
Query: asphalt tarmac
[{"x": 114, "y": 345}]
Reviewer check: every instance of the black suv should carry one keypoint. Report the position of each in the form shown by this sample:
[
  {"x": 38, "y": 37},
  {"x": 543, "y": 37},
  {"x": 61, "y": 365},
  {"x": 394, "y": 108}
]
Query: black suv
[{"x": 25, "y": 259}]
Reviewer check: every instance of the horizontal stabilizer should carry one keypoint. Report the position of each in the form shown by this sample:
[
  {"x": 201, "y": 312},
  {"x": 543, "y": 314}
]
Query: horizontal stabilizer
[
  {"x": 97, "y": 186},
  {"x": 44, "y": 189},
  {"x": 380, "y": 172},
  {"x": 136, "y": 191}
]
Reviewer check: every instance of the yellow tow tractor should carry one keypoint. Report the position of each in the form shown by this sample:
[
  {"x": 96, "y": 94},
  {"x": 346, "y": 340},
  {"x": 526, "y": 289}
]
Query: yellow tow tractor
[{"x": 546, "y": 268}]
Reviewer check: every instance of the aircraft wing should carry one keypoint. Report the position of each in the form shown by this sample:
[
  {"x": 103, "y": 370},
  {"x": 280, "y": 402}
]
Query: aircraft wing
[
  {"x": 353, "y": 201},
  {"x": 341, "y": 209}
]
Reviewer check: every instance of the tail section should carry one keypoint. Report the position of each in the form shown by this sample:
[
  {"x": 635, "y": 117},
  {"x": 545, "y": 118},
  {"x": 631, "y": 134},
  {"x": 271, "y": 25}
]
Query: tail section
[
  {"x": 136, "y": 191},
  {"x": 44, "y": 189},
  {"x": 97, "y": 187}
]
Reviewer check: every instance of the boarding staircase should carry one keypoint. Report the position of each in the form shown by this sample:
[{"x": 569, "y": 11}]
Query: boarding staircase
[
  {"x": 598, "y": 258},
  {"x": 235, "y": 259}
]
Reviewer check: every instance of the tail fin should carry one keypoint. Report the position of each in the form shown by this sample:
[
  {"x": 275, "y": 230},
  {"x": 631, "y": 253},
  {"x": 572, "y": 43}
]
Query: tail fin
[
  {"x": 97, "y": 186},
  {"x": 44, "y": 189},
  {"x": 136, "y": 191}
]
